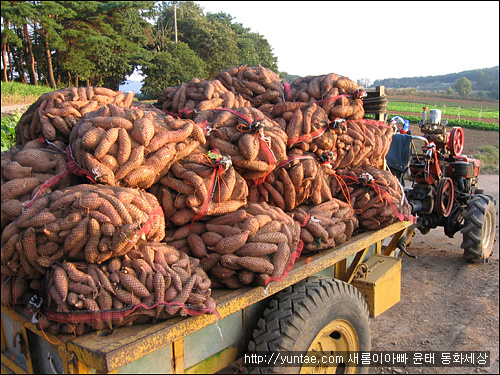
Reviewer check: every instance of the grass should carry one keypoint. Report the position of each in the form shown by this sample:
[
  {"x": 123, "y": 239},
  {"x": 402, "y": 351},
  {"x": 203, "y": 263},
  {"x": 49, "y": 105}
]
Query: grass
[
  {"x": 489, "y": 158},
  {"x": 18, "y": 93}
]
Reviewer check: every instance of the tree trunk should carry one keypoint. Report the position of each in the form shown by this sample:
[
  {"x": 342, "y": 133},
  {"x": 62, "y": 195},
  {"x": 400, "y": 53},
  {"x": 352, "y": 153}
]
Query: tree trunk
[
  {"x": 20, "y": 57},
  {"x": 4, "y": 57},
  {"x": 4, "y": 52},
  {"x": 50, "y": 69},
  {"x": 11, "y": 65},
  {"x": 77, "y": 81},
  {"x": 33, "y": 79}
]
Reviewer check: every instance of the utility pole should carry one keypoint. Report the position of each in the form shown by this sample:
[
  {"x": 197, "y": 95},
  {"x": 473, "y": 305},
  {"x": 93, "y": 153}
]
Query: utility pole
[{"x": 175, "y": 20}]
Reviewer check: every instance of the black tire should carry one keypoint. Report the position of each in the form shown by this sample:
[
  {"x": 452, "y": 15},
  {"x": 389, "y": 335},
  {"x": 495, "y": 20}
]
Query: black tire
[
  {"x": 479, "y": 228},
  {"x": 299, "y": 314}
]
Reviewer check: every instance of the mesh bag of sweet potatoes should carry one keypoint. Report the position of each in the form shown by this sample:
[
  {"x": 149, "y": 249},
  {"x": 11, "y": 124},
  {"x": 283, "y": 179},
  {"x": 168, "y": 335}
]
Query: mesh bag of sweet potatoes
[
  {"x": 340, "y": 97},
  {"x": 29, "y": 170},
  {"x": 375, "y": 194},
  {"x": 82, "y": 222},
  {"x": 325, "y": 225},
  {"x": 255, "y": 143},
  {"x": 204, "y": 183},
  {"x": 55, "y": 113},
  {"x": 150, "y": 283},
  {"x": 196, "y": 95},
  {"x": 130, "y": 147},
  {"x": 253, "y": 245},
  {"x": 340, "y": 142},
  {"x": 259, "y": 85},
  {"x": 300, "y": 179}
]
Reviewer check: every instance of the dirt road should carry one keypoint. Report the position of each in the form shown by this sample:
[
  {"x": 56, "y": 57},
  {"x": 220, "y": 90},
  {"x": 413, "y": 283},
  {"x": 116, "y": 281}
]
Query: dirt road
[{"x": 446, "y": 304}]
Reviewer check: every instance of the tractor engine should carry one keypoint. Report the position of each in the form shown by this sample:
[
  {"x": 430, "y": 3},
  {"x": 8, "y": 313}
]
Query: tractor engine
[{"x": 443, "y": 179}]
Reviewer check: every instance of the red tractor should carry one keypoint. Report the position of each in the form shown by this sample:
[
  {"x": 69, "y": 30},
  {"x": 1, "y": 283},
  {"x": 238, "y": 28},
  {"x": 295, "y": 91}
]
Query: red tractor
[{"x": 444, "y": 189}]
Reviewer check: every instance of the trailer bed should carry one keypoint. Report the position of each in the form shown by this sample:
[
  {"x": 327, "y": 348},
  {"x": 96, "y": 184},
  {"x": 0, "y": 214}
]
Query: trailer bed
[{"x": 137, "y": 346}]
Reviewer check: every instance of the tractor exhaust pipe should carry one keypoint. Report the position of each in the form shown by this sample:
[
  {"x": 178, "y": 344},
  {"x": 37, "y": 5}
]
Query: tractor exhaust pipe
[{"x": 424, "y": 115}]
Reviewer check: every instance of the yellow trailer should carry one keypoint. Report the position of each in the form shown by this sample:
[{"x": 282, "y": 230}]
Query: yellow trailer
[{"x": 319, "y": 308}]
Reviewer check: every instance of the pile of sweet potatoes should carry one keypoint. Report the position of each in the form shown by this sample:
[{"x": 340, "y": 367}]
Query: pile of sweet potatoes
[{"x": 235, "y": 176}]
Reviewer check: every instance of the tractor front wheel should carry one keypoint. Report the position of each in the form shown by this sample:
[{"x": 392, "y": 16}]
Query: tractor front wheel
[{"x": 479, "y": 228}]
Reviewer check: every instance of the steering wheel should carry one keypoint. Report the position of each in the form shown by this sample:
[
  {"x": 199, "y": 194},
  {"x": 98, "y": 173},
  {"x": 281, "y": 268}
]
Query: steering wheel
[{"x": 456, "y": 141}]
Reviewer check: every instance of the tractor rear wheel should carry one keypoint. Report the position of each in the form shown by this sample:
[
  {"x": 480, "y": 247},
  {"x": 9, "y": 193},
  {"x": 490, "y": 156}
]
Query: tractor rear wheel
[
  {"x": 316, "y": 317},
  {"x": 479, "y": 228}
]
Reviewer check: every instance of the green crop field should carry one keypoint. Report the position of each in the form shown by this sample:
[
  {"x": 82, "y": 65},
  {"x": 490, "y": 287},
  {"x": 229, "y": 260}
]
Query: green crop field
[
  {"x": 454, "y": 110},
  {"x": 467, "y": 114}
]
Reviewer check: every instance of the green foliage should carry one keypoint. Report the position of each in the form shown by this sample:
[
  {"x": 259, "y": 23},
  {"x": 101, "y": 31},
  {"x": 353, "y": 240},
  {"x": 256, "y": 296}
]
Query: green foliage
[
  {"x": 100, "y": 42},
  {"x": 288, "y": 78},
  {"x": 463, "y": 86},
  {"x": 177, "y": 64},
  {"x": 489, "y": 158},
  {"x": 9, "y": 123},
  {"x": 220, "y": 43}
]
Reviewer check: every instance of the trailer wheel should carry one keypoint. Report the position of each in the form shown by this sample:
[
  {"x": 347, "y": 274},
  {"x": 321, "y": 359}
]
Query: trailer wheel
[
  {"x": 479, "y": 228},
  {"x": 320, "y": 316}
]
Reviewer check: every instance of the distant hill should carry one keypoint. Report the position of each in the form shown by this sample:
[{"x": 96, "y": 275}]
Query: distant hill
[{"x": 481, "y": 79}]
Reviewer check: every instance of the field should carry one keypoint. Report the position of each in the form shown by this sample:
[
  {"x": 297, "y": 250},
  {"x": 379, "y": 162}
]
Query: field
[{"x": 464, "y": 113}]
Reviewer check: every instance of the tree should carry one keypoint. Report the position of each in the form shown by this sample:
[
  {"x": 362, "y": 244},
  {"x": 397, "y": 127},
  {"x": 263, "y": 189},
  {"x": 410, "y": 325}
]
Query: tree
[
  {"x": 213, "y": 37},
  {"x": 365, "y": 82},
  {"x": 177, "y": 64},
  {"x": 450, "y": 91},
  {"x": 463, "y": 86}
]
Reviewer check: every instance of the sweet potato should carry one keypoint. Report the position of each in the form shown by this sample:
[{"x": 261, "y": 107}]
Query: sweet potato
[
  {"x": 257, "y": 265},
  {"x": 17, "y": 188},
  {"x": 14, "y": 170},
  {"x": 38, "y": 159},
  {"x": 231, "y": 243},
  {"x": 106, "y": 142}
]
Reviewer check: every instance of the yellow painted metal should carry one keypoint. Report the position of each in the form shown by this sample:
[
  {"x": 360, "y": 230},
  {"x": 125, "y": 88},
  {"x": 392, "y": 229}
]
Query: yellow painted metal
[
  {"x": 3, "y": 338},
  {"x": 358, "y": 259},
  {"x": 394, "y": 242},
  {"x": 24, "y": 347},
  {"x": 27, "y": 350},
  {"x": 128, "y": 344},
  {"x": 381, "y": 287},
  {"x": 11, "y": 365},
  {"x": 215, "y": 363},
  {"x": 338, "y": 336},
  {"x": 178, "y": 348}
]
